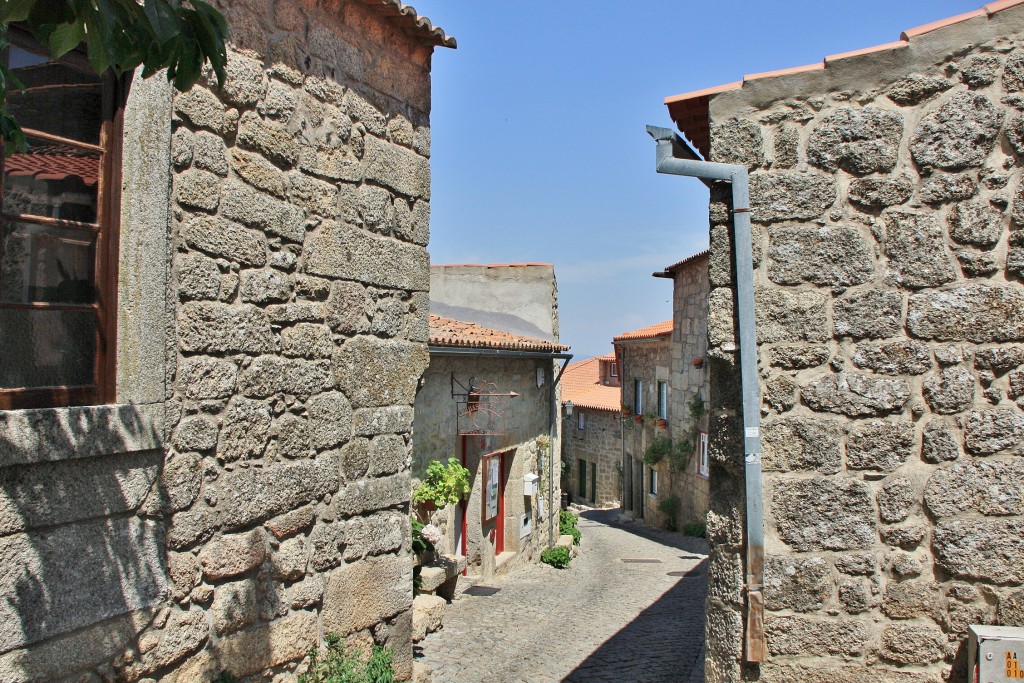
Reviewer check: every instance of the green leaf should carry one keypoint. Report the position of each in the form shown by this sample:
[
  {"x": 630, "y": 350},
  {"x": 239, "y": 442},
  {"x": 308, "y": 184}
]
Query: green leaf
[
  {"x": 163, "y": 19},
  {"x": 15, "y": 10},
  {"x": 65, "y": 38}
]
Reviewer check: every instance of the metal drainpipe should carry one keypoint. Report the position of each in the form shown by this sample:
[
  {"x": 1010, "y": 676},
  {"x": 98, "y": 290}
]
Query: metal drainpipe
[{"x": 676, "y": 158}]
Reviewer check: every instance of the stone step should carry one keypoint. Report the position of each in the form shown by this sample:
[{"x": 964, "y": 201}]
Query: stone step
[{"x": 443, "y": 569}]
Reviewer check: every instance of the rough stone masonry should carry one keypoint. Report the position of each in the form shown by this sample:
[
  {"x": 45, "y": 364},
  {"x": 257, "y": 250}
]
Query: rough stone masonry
[
  {"x": 888, "y": 208},
  {"x": 270, "y": 505}
]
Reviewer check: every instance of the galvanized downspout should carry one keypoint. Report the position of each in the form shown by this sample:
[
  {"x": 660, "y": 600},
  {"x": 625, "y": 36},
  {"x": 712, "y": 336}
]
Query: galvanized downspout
[{"x": 676, "y": 158}]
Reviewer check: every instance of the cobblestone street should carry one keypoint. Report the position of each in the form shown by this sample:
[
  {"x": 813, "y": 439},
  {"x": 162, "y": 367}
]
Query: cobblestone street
[{"x": 606, "y": 618}]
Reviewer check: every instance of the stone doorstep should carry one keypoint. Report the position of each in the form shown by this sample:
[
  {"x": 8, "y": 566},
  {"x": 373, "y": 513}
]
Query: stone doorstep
[
  {"x": 440, "y": 571},
  {"x": 502, "y": 559}
]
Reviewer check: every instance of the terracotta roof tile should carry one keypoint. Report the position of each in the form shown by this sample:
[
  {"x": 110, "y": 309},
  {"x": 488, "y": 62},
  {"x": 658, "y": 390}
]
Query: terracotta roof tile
[
  {"x": 817, "y": 66},
  {"x": 867, "y": 50},
  {"x": 490, "y": 265},
  {"x": 690, "y": 110},
  {"x": 410, "y": 20},
  {"x": 581, "y": 385},
  {"x": 54, "y": 162},
  {"x": 687, "y": 260},
  {"x": 458, "y": 334},
  {"x": 662, "y": 329},
  {"x": 941, "y": 23}
]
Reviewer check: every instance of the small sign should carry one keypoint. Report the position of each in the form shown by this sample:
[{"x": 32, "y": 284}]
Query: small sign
[{"x": 752, "y": 432}]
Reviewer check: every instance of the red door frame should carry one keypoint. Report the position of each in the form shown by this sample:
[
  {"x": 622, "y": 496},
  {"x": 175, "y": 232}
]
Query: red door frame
[{"x": 499, "y": 524}]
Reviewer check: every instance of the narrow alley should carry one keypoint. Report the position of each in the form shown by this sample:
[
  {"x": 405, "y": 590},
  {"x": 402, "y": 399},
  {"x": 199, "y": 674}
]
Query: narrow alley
[{"x": 629, "y": 608}]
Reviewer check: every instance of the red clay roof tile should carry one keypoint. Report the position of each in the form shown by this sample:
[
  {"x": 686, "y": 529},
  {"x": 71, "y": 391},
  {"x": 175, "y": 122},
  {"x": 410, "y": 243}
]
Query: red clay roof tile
[
  {"x": 413, "y": 23},
  {"x": 581, "y": 384},
  {"x": 662, "y": 329},
  {"x": 458, "y": 334},
  {"x": 690, "y": 110}
]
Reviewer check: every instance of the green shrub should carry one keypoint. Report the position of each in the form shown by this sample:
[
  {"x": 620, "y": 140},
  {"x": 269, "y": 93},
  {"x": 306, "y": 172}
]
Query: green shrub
[
  {"x": 657, "y": 450},
  {"x": 224, "y": 677},
  {"x": 444, "y": 484},
  {"x": 567, "y": 526},
  {"x": 557, "y": 557},
  {"x": 695, "y": 529},
  {"x": 670, "y": 508},
  {"x": 336, "y": 665}
]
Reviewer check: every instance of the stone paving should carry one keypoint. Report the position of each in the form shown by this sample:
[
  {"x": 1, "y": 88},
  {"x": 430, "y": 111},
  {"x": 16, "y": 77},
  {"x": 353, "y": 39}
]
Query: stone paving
[{"x": 600, "y": 620}]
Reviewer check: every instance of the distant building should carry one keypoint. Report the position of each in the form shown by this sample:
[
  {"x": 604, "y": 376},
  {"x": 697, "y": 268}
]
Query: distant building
[
  {"x": 487, "y": 400},
  {"x": 689, "y": 382},
  {"x": 592, "y": 436},
  {"x": 645, "y": 360}
]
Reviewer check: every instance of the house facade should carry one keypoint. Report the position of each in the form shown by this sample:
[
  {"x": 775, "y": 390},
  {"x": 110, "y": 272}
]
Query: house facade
[
  {"x": 887, "y": 206},
  {"x": 213, "y": 310},
  {"x": 488, "y": 399},
  {"x": 689, "y": 384},
  {"x": 592, "y": 453},
  {"x": 645, "y": 359}
]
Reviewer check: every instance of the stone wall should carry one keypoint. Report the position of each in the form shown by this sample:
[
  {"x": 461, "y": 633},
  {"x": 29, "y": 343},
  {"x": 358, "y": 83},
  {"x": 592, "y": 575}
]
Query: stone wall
[
  {"x": 690, "y": 292},
  {"x": 650, "y": 361},
  {"x": 888, "y": 211},
  {"x": 251, "y": 493},
  {"x": 598, "y": 443},
  {"x": 527, "y": 420}
]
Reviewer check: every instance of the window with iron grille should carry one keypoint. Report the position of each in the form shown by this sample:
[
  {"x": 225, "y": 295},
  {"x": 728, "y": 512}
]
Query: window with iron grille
[{"x": 58, "y": 232}]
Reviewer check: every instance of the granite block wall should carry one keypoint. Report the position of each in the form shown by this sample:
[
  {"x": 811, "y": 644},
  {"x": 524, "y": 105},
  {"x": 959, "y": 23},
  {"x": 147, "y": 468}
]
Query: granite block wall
[
  {"x": 598, "y": 443},
  {"x": 252, "y": 492},
  {"x": 888, "y": 210}
]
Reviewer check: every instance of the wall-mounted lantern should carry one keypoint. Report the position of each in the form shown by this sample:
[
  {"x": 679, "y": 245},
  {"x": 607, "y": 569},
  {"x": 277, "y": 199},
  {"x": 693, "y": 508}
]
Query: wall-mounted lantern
[{"x": 569, "y": 408}]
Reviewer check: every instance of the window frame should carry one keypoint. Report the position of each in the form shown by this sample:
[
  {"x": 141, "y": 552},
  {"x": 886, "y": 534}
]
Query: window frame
[
  {"x": 703, "y": 464},
  {"x": 613, "y": 369},
  {"x": 662, "y": 400},
  {"x": 107, "y": 232},
  {"x": 581, "y": 421},
  {"x": 652, "y": 482},
  {"x": 638, "y": 396}
]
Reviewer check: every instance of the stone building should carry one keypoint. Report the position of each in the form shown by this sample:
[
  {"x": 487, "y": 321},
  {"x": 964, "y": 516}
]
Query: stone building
[
  {"x": 888, "y": 214},
  {"x": 689, "y": 384},
  {"x": 488, "y": 398},
  {"x": 221, "y": 474},
  {"x": 592, "y": 436},
  {"x": 645, "y": 362}
]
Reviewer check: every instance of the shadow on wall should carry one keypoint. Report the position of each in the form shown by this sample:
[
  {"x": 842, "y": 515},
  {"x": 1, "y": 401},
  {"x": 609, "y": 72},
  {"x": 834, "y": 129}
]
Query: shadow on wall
[
  {"x": 646, "y": 650},
  {"x": 82, "y": 537}
]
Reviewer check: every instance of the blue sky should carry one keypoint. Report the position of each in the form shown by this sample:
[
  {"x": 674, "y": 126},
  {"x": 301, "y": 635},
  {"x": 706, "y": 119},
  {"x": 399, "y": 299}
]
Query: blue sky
[{"x": 538, "y": 144}]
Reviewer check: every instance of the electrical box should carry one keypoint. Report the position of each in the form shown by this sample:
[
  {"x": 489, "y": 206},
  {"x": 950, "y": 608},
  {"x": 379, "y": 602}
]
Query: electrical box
[
  {"x": 530, "y": 484},
  {"x": 525, "y": 526},
  {"x": 995, "y": 654}
]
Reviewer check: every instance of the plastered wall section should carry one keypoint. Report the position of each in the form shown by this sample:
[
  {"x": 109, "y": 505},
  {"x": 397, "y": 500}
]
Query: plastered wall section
[
  {"x": 526, "y": 428},
  {"x": 250, "y": 492},
  {"x": 888, "y": 207},
  {"x": 517, "y": 298},
  {"x": 598, "y": 443}
]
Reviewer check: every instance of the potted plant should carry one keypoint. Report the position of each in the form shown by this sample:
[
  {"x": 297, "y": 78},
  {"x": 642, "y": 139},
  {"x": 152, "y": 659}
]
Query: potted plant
[
  {"x": 697, "y": 362},
  {"x": 662, "y": 423},
  {"x": 638, "y": 419},
  {"x": 445, "y": 484},
  {"x": 626, "y": 412}
]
